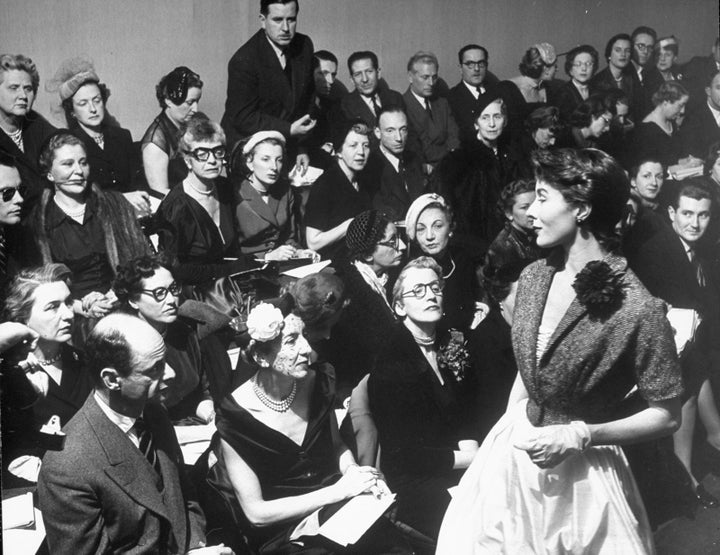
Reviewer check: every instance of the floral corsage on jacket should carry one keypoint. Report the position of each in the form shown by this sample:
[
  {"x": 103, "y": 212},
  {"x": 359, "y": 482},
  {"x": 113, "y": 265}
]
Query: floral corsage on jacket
[
  {"x": 454, "y": 356},
  {"x": 599, "y": 288}
]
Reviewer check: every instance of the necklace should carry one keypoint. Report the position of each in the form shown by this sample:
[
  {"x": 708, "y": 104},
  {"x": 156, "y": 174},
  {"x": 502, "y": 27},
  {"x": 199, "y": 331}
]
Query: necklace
[
  {"x": 77, "y": 213},
  {"x": 451, "y": 269},
  {"x": 17, "y": 138},
  {"x": 424, "y": 341},
  {"x": 49, "y": 361},
  {"x": 200, "y": 192},
  {"x": 278, "y": 406}
]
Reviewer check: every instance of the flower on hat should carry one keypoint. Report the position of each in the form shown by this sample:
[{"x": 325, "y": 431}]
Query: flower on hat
[{"x": 265, "y": 322}]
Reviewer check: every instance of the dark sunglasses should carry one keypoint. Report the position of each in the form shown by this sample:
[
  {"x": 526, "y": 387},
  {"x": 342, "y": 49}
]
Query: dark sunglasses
[
  {"x": 203, "y": 154},
  {"x": 9, "y": 193},
  {"x": 161, "y": 293}
]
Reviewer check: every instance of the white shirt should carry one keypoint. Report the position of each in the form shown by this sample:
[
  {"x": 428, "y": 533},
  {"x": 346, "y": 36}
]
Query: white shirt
[
  {"x": 394, "y": 160},
  {"x": 420, "y": 99},
  {"x": 125, "y": 423},
  {"x": 715, "y": 112},
  {"x": 279, "y": 53},
  {"x": 369, "y": 101},
  {"x": 473, "y": 89}
]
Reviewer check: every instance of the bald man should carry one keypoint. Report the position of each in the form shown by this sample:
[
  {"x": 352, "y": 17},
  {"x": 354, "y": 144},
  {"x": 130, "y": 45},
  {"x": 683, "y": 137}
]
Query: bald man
[{"x": 118, "y": 486}]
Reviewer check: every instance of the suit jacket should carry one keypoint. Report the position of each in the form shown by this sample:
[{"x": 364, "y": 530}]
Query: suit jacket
[
  {"x": 437, "y": 136},
  {"x": 464, "y": 108},
  {"x": 594, "y": 356},
  {"x": 259, "y": 95},
  {"x": 117, "y": 166},
  {"x": 263, "y": 226},
  {"x": 699, "y": 131},
  {"x": 100, "y": 494},
  {"x": 396, "y": 192},
  {"x": 353, "y": 106}
]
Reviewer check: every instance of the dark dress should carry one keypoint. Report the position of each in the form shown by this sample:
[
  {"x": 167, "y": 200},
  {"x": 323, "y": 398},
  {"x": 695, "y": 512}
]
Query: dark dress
[
  {"x": 283, "y": 468},
  {"x": 650, "y": 141},
  {"x": 567, "y": 98},
  {"x": 117, "y": 165},
  {"x": 165, "y": 135},
  {"x": 462, "y": 288},
  {"x": 419, "y": 422},
  {"x": 518, "y": 109},
  {"x": 333, "y": 200},
  {"x": 513, "y": 246}
]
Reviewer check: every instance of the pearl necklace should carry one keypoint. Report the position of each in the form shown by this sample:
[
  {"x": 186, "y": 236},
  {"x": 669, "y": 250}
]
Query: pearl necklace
[
  {"x": 50, "y": 361},
  {"x": 424, "y": 341},
  {"x": 17, "y": 138},
  {"x": 199, "y": 192},
  {"x": 451, "y": 269},
  {"x": 278, "y": 406}
]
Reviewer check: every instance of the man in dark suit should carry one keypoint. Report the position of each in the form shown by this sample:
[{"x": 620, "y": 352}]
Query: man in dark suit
[
  {"x": 646, "y": 76},
  {"x": 701, "y": 128},
  {"x": 11, "y": 203},
  {"x": 697, "y": 71},
  {"x": 671, "y": 268},
  {"x": 431, "y": 123},
  {"x": 329, "y": 91},
  {"x": 270, "y": 81},
  {"x": 476, "y": 83},
  {"x": 117, "y": 485},
  {"x": 395, "y": 170},
  {"x": 366, "y": 101}
]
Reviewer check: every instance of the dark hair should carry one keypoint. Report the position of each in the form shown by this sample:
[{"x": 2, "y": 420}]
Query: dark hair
[
  {"x": 635, "y": 168},
  {"x": 265, "y": 4},
  {"x": 175, "y": 86},
  {"x": 499, "y": 273},
  {"x": 589, "y": 109},
  {"x": 612, "y": 98},
  {"x": 510, "y": 191},
  {"x": 128, "y": 282},
  {"x": 108, "y": 348},
  {"x": 19, "y": 296},
  {"x": 199, "y": 128},
  {"x": 546, "y": 117},
  {"x": 8, "y": 160},
  {"x": 587, "y": 176},
  {"x": 362, "y": 55},
  {"x": 326, "y": 56},
  {"x": 422, "y": 58},
  {"x": 613, "y": 40},
  {"x": 19, "y": 62},
  {"x": 712, "y": 156},
  {"x": 643, "y": 30},
  {"x": 343, "y": 129},
  {"x": 710, "y": 76},
  {"x": 390, "y": 109},
  {"x": 67, "y": 104},
  {"x": 694, "y": 188},
  {"x": 318, "y": 298},
  {"x": 531, "y": 64},
  {"x": 582, "y": 49},
  {"x": 467, "y": 47},
  {"x": 54, "y": 142},
  {"x": 670, "y": 91}
]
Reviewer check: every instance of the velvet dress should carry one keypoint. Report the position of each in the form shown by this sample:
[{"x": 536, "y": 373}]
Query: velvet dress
[{"x": 589, "y": 503}]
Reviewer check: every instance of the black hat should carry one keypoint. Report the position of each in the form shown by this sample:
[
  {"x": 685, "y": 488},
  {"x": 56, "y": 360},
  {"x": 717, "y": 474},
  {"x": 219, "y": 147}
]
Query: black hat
[{"x": 364, "y": 232}]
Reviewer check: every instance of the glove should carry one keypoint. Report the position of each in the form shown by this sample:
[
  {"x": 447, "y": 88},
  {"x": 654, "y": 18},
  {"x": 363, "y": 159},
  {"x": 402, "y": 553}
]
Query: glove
[{"x": 548, "y": 446}]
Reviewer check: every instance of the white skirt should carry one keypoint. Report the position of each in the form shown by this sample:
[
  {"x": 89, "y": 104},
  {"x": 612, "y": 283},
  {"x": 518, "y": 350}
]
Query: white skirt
[{"x": 588, "y": 504}]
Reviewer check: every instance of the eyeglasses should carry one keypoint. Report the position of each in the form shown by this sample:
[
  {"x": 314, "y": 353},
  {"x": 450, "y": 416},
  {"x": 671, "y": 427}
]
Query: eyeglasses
[
  {"x": 606, "y": 119},
  {"x": 9, "y": 193},
  {"x": 584, "y": 64},
  {"x": 202, "y": 154},
  {"x": 420, "y": 290},
  {"x": 160, "y": 293},
  {"x": 482, "y": 64},
  {"x": 643, "y": 47},
  {"x": 393, "y": 243}
]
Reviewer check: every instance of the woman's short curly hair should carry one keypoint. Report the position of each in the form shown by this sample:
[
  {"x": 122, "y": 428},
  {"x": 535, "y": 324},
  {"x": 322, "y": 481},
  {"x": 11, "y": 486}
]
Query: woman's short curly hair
[
  {"x": 575, "y": 52},
  {"x": 532, "y": 65},
  {"x": 546, "y": 117},
  {"x": 588, "y": 110},
  {"x": 18, "y": 62},
  {"x": 419, "y": 263},
  {"x": 200, "y": 128},
  {"x": 128, "y": 282},
  {"x": 670, "y": 91},
  {"x": 20, "y": 294},
  {"x": 510, "y": 191},
  {"x": 175, "y": 86},
  {"x": 587, "y": 176},
  {"x": 52, "y": 144}
]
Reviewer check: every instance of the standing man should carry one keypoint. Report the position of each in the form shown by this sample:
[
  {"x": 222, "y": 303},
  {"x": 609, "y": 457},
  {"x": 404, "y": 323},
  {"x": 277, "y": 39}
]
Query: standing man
[
  {"x": 11, "y": 203},
  {"x": 270, "y": 81},
  {"x": 326, "y": 107},
  {"x": 648, "y": 77},
  {"x": 701, "y": 128},
  {"x": 476, "y": 82},
  {"x": 396, "y": 171},
  {"x": 368, "y": 98},
  {"x": 430, "y": 120},
  {"x": 117, "y": 486}
]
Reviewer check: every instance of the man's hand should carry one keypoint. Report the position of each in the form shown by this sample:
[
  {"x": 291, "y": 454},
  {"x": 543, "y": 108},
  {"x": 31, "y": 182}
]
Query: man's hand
[
  {"x": 302, "y": 126},
  {"x": 302, "y": 162}
]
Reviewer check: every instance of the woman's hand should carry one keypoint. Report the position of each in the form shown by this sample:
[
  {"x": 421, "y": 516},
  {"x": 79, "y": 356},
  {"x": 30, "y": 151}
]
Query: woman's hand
[
  {"x": 283, "y": 252},
  {"x": 16, "y": 340},
  {"x": 548, "y": 446},
  {"x": 140, "y": 201},
  {"x": 97, "y": 305},
  {"x": 357, "y": 480}
]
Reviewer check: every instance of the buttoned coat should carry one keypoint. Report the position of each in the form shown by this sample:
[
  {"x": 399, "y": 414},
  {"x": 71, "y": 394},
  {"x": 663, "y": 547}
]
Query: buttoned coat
[
  {"x": 396, "y": 191},
  {"x": 593, "y": 358},
  {"x": 259, "y": 95},
  {"x": 434, "y": 136},
  {"x": 100, "y": 494},
  {"x": 117, "y": 165},
  {"x": 263, "y": 226}
]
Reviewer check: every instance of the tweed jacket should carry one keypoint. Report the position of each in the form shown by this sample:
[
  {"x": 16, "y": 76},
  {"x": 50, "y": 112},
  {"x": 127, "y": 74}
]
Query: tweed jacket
[
  {"x": 435, "y": 137},
  {"x": 259, "y": 95},
  {"x": 263, "y": 226},
  {"x": 100, "y": 494},
  {"x": 592, "y": 360}
]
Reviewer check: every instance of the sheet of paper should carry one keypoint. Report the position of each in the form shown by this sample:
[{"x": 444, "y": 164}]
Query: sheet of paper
[
  {"x": 194, "y": 440},
  {"x": 312, "y": 173},
  {"x": 306, "y": 270},
  {"x": 348, "y": 524},
  {"x": 23, "y": 541},
  {"x": 684, "y": 322},
  {"x": 18, "y": 511}
]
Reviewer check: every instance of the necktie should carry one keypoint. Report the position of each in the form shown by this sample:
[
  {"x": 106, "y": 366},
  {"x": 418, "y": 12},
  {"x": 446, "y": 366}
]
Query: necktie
[
  {"x": 640, "y": 75},
  {"x": 376, "y": 105},
  {"x": 287, "y": 66},
  {"x": 428, "y": 109},
  {"x": 3, "y": 254},
  {"x": 146, "y": 444},
  {"x": 480, "y": 90},
  {"x": 697, "y": 266},
  {"x": 401, "y": 171}
]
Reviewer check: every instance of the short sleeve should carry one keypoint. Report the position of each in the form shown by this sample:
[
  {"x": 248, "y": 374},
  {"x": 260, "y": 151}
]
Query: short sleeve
[
  {"x": 657, "y": 368},
  {"x": 154, "y": 135}
]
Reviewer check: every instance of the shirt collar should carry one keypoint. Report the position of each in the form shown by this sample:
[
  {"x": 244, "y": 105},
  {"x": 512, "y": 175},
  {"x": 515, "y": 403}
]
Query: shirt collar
[
  {"x": 473, "y": 89},
  {"x": 715, "y": 112},
  {"x": 282, "y": 58},
  {"x": 369, "y": 100},
  {"x": 420, "y": 99},
  {"x": 125, "y": 423},
  {"x": 392, "y": 157}
]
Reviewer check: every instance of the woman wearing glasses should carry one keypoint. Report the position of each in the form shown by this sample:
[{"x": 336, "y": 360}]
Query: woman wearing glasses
[
  {"x": 196, "y": 219},
  {"x": 417, "y": 400},
  {"x": 580, "y": 65},
  {"x": 179, "y": 94},
  {"x": 550, "y": 476},
  {"x": 145, "y": 287},
  {"x": 590, "y": 121}
]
